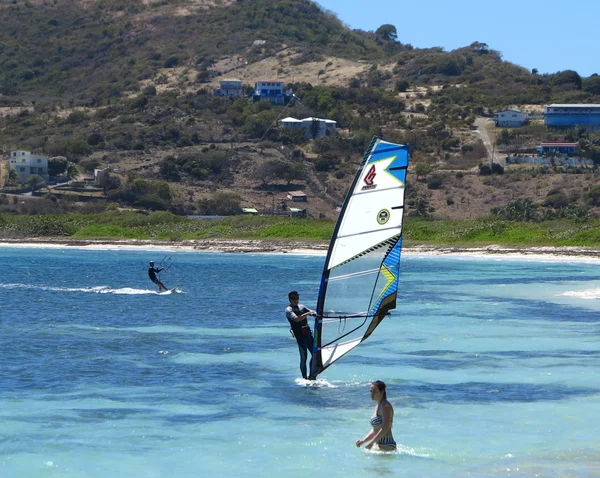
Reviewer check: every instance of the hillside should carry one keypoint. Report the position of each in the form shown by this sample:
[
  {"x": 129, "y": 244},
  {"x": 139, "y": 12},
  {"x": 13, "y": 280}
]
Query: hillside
[{"x": 129, "y": 84}]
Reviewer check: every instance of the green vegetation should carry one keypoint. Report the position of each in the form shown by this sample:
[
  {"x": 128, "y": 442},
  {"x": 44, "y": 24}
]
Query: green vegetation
[
  {"x": 160, "y": 226},
  {"x": 496, "y": 231},
  {"x": 165, "y": 226}
]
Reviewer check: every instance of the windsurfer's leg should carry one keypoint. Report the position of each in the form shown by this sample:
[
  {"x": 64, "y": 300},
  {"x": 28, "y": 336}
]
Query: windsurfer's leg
[
  {"x": 312, "y": 375},
  {"x": 303, "y": 356}
]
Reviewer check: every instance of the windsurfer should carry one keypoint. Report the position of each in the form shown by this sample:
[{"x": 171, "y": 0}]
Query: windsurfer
[
  {"x": 380, "y": 437},
  {"x": 152, "y": 271},
  {"x": 296, "y": 314}
]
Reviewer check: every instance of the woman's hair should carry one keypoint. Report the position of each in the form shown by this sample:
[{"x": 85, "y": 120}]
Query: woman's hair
[{"x": 381, "y": 387}]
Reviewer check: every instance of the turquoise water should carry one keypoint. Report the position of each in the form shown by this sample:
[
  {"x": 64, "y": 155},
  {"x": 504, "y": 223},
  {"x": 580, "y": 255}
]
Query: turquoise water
[{"x": 492, "y": 366}]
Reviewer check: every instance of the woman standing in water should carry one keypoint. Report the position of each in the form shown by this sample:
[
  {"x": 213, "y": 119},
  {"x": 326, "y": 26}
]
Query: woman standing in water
[{"x": 380, "y": 437}]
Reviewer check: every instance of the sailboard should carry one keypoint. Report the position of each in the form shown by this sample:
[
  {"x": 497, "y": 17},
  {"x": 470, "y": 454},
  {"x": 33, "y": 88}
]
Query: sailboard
[{"x": 359, "y": 283}]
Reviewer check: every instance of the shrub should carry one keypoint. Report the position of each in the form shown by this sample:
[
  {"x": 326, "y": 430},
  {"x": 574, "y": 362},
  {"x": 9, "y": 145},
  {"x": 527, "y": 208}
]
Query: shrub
[
  {"x": 557, "y": 201},
  {"x": 434, "y": 182},
  {"x": 220, "y": 204},
  {"x": 485, "y": 170},
  {"x": 497, "y": 169}
]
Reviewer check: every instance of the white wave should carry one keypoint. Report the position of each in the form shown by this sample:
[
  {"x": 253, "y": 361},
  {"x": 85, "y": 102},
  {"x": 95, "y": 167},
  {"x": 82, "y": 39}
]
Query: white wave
[
  {"x": 101, "y": 289},
  {"x": 319, "y": 383},
  {"x": 583, "y": 294},
  {"x": 402, "y": 450}
]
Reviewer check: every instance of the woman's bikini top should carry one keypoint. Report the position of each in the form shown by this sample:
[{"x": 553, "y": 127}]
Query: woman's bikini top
[{"x": 376, "y": 421}]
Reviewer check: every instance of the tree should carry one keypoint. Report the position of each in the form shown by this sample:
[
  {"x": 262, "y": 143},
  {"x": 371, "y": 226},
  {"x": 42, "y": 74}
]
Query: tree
[
  {"x": 57, "y": 166},
  {"x": 567, "y": 76},
  {"x": 315, "y": 126},
  {"x": 422, "y": 170},
  {"x": 72, "y": 171},
  {"x": 33, "y": 181},
  {"x": 220, "y": 204},
  {"x": 387, "y": 32},
  {"x": 266, "y": 172},
  {"x": 13, "y": 177},
  {"x": 402, "y": 86},
  {"x": 523, "y": 209},
  {"x": 420, "y": 207},
  {"x": 592, "y": 85}
]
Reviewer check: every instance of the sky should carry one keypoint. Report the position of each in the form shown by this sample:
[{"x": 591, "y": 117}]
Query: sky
[{"x": 549, "y": 35}]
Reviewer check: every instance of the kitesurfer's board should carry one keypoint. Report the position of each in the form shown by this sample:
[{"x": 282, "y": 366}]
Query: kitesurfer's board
[{"x": 170, "y": 291}]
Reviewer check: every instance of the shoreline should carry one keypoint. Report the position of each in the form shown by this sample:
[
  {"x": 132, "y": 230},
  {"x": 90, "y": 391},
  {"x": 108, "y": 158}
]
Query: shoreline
[{"x": 261, "y": 246}]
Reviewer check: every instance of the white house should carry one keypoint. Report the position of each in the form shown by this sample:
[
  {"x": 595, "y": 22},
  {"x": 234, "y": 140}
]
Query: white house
[
  {"x": 297, "y": 196},
  {"x": 309, "y": 125},
  {"x": 26, "y": 165},
  {"x": 101, "y": 176},
  {"x": 229, "y": 88},
  {"x": 511, "y": 118}
]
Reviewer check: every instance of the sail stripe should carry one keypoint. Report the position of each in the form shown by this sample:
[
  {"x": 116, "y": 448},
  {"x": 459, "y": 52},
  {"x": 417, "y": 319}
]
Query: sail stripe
[{"x": 354, "y": 274}]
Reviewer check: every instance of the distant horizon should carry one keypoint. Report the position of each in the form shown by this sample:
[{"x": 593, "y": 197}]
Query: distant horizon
[{"x": 526, "y": 39}]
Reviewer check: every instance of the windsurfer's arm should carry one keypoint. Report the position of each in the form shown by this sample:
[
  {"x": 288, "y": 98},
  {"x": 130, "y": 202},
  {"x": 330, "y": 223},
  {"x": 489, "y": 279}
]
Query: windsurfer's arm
[
  {"x": 301, "y": 317},
  {"x": 291, "y": 315}
]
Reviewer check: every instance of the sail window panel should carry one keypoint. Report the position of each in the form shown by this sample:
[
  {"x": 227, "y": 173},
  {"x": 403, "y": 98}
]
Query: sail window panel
[
  {"x": 333, "y": 352},
  {"x": 354, "y": 287},
  {"x": 352, "y": 291},
  {"x": 348, "y": 247}
]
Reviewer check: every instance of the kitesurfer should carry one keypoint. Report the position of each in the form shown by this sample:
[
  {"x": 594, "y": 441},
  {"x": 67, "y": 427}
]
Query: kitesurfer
[
  {"x": 154, "y": 278},
  {"x": 296, "y": 314},
  {"x": 380, "y": 437}
]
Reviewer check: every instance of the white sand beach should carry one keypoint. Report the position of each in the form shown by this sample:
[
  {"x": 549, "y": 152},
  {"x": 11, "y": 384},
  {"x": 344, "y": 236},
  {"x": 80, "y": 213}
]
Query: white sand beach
[{"x": 255, "y": 246}]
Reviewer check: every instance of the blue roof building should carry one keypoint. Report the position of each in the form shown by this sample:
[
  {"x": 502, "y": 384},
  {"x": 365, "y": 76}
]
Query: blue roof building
[
  {"x": 272, "y": 91},
  {"x": 568, "y": 116}
]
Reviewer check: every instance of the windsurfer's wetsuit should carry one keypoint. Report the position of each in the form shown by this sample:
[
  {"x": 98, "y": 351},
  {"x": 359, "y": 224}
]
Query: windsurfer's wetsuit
[
  {"x": 152, "y": 274},
  {"x": 303, "y": 335}
]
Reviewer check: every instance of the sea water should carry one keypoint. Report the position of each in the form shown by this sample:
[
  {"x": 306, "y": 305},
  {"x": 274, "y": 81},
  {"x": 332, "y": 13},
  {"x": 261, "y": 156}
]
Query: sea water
[{"x": 492, "y": 366}]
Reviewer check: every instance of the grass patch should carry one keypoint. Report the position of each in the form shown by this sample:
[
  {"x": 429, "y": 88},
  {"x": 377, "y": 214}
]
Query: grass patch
[{"x": 165, "y": 226}]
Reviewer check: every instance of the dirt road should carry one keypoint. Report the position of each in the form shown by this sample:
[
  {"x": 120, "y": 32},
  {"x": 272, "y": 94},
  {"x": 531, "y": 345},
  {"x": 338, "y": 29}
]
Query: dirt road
[{"x": 482, "y": 129}]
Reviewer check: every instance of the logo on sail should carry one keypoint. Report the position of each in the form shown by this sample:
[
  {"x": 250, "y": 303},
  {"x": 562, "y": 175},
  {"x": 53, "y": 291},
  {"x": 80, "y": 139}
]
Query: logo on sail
[
  {"x": 383, "y": 216},
  {"x": 370, "y": 179}
]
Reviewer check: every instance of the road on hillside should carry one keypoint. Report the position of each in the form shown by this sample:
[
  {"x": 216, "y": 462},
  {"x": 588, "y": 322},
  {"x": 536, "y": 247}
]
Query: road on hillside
[{"x": 482, "y": 128}]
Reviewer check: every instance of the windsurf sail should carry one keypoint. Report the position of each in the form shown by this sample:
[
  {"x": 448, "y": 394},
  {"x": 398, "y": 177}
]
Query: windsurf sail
[{"x": 360, "y": 276}]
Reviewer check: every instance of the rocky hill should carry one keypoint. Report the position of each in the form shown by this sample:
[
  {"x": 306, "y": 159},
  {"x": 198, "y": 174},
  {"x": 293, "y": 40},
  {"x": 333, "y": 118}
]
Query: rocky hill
[{"x": 129, "y": 84}]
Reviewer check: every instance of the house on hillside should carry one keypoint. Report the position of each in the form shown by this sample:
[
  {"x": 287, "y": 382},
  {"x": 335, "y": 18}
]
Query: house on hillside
[
  {"x": 101, "y": 177},
  {"x": 568, "y": 116},
  {"x": 272, "y": 91},
  {"x": 297, "y": 196},
  {"x": 313, "y": 127},
  {"x": 510, "y": 118},
  {"x": 26, "y": 165},
  {"x": 566, "y": 149},
  {"x": 229, "y": 88},
  {"x": 250, "y": 211}
]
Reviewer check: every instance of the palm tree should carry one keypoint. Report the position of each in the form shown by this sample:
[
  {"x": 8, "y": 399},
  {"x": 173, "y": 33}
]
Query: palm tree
[
  {"x": 33, "y": 181},
  {"x": 420, "y": 207},
  {"x": 13, "y": 177},
  {"x": 72, "y": 171}
]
